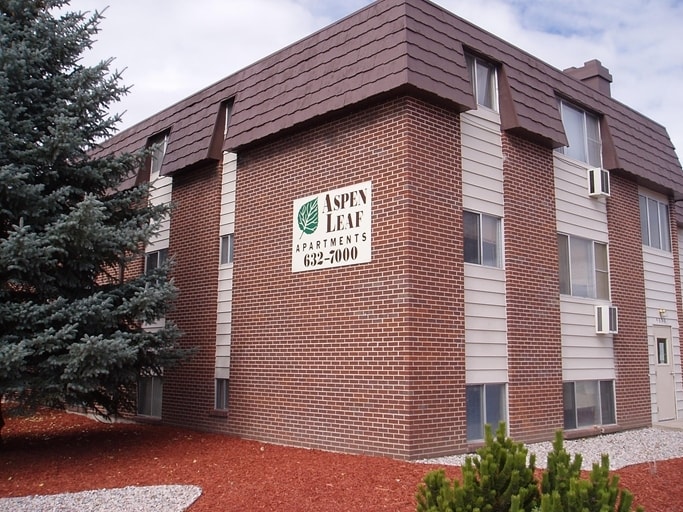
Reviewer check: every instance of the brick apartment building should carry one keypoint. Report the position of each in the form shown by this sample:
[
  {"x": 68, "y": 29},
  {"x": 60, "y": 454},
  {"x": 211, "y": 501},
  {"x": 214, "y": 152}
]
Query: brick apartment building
[{"x": 401, "y": 228}]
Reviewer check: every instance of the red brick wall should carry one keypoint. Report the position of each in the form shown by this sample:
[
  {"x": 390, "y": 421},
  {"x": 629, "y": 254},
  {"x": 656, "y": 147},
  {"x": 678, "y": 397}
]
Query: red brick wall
[
  {"x": 365, "y": 358},
  {"x": 188, "y": 396},
  {"x": 627, "y": 282},
  {"x": 532, "y": 287}
]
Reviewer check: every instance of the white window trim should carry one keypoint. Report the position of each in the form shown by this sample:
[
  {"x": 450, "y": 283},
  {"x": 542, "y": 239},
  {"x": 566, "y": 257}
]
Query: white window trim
[
  {"x": 158, "y": 387},
  {"x": 156, "y": 158},
  {"x": 499, "y": 241},
  {"x": 599, "y": 404},
  {"x": 660, "y": 203},
  {"x": 594, "y": 269},
  {"x": 221, "y": 395},
  {"x": 506, "y": 413},
  {"x": 473, "y": 73},
  {"x": 562, "y": 150},
  {"x": 228, "y": 238}
]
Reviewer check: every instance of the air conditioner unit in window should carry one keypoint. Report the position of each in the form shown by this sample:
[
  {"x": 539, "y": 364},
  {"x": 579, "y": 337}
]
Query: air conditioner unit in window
[
  {"x": 606, "y": 320},
  {"x": 598, "y": 182}
]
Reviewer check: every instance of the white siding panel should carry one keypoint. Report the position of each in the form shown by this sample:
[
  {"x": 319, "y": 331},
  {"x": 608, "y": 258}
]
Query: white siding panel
[
  {"x": 660, "y": 293},
  {"x": 578, "y": 214},
  {"x": 660, "y": 287},
  {"x": 224, "y": 328},
  {"x": 485, "y": 300},
  {"x": 223, "y": 350},
  {"x": 223, "y": 369},
  {"x": 585, "y": 354},
  {"x": 226, "y": 296},
  {"x": 225, "y": 272},
  {"x": 161, "y": 193},
  {"x": 482, "y": 163}
]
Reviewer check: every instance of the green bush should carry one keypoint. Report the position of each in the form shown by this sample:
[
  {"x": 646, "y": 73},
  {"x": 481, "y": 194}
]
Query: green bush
[
  {"x": 501, "y": 479},
  {"x": 498, "y": 480}
]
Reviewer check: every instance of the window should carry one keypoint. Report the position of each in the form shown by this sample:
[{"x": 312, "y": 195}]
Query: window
[
  {"x": 654, "y": 223},
  {"x": 227, "y": 248},
  {"x": 481, "y": 239},
  {"x": 155, "y": 259},
  {"x": 157, "y": 151},
  {"x": 583, "y": 135},
  {"x": 227, "y": 112},
  {"x": 584, "y": 268},
  {"x": 662, "y": 352},
  {"x": 485, "y": 405},
  {"x": 150, "y": 389},
  {"x": 588, "y": 403},
  {"x": 483, "y": 77},
  {"x": 222, "y": 387}
]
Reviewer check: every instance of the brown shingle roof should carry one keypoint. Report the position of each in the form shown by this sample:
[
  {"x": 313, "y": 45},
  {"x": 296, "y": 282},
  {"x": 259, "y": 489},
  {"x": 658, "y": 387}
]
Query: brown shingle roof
[{"x": 393, "y": 46}]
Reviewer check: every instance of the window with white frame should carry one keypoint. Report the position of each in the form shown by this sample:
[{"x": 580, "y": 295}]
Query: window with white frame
[
  {"x": 486, "y": 404},
  {"x": 150, "y": 391},
  {"x": 583, "y": 135},
  {"x": 484, "y": 83},
  {"x": 481, "y": 239},
  {"x": 584, "y": 267},
  {"x": 227, "y": 248},
  {"x": 155, "y": 259},
  {"x": 222, "y": 389},
  {"x": 157, "y": 147},
  {"x": 588, "y": 403},
  {"x": 654, "y": 223}
]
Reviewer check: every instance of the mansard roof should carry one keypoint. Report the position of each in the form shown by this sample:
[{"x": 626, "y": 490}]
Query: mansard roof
[{"x": 394, "y": 47}]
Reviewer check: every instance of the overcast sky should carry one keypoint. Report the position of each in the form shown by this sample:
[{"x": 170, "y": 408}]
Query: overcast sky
[{"x": 173, "y": 48}]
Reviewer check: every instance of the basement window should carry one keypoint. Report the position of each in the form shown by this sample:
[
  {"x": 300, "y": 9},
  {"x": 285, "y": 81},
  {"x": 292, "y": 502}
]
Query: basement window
[
  {"x": 486, "y": 404},
  {"x": 588, "y": 403},
  {"x": 222, "y": 389},
  {"x": 150, "y": 391}
]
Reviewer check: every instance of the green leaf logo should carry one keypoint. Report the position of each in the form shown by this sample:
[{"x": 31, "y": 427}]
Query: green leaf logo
[{"x": 308, "y": 217}]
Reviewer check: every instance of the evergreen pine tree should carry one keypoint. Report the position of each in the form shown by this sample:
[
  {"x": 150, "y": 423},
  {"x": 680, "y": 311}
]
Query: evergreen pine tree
[{"x": 70, "y": 326}]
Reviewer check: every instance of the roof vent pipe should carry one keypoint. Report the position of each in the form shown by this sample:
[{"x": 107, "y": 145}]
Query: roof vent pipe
[{"x": 593, "y": 74}]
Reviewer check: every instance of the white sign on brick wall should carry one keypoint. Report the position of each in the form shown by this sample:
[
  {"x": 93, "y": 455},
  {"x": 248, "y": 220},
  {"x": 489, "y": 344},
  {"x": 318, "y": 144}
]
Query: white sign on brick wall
[{"x": 332, "y": 229}]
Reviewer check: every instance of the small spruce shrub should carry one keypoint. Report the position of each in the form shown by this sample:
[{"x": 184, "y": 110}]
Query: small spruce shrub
[
  {"x": 497, "y": 480},
  {"x": 501, "y": 479}
]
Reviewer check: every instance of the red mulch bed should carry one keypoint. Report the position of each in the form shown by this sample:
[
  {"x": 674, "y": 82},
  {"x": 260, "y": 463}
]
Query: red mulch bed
[{"x": 53, "y": 452}]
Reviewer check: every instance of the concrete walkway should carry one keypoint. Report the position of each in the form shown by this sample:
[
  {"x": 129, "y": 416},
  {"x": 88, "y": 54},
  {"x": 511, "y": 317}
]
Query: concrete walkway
[{"x": 669, "y": 424}]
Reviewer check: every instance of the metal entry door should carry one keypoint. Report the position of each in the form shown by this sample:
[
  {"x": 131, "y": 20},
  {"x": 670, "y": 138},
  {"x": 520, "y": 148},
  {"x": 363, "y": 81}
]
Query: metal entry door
[{"x": 666, "y": 394}]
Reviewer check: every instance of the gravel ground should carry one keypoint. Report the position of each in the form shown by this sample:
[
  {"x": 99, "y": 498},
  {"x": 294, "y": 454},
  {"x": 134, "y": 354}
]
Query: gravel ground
[
  {"x": 160, "y": 498},
  {"x": 624, "y": 449}
]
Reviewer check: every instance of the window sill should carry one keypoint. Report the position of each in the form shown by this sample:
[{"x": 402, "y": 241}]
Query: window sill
[
  {"x": 591, "y": 431},
  {"x": 146, "y": 419},
  {"x": 219, "y": 413},
  {"x": 487, "y": 113},
  {"x": 585, "y": 300},
  {"x": 579, "y": 164},
  {"x": 656, "y": 252}
]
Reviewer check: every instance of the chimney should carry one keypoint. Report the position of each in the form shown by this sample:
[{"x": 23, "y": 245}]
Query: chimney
[{"x": 593, "y": 74}]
